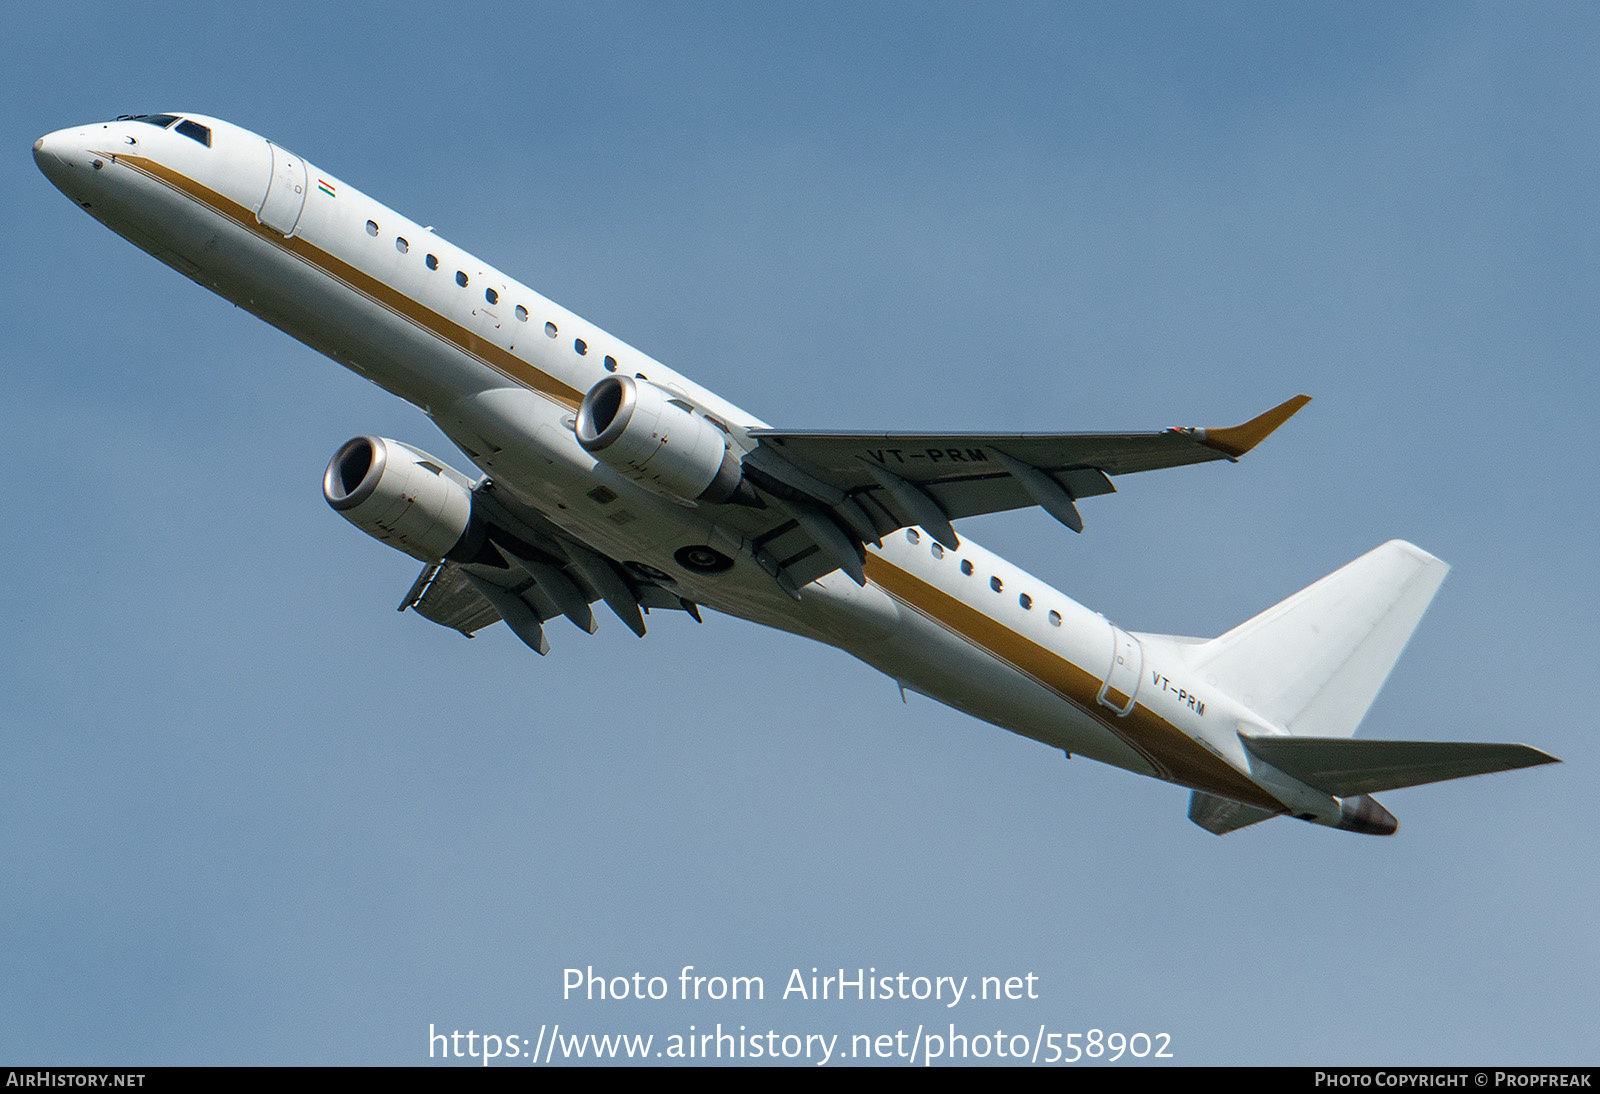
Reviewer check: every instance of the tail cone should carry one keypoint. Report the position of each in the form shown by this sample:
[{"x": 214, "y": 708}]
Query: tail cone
[{"x": 1361, "y": 813}]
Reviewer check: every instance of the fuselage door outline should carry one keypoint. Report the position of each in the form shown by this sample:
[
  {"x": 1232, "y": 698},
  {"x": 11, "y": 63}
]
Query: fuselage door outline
[
  {"x": 1122, "y": 677},
  {"x": 286, "y": 192}
]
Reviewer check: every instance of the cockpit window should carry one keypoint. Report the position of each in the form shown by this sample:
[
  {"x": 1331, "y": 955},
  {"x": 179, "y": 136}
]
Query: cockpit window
[
  {"x": 199, "y": 132},
  {"x": 163, "y": 120}
]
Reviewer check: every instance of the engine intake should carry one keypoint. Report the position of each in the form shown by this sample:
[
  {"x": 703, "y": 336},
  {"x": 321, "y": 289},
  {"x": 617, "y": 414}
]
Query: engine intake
[
  {"x": 640, "y": 431},
  {"x": 400, "y": 495}
]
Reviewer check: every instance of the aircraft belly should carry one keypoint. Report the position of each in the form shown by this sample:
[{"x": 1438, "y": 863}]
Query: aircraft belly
[
  {"x": 352, "y": 329},
  {"x": 908, "y": 641},
  {"x": 150, "y": 217},
  {"x": 933, "y": 661},
  {"x": 1070, "y": 659}
]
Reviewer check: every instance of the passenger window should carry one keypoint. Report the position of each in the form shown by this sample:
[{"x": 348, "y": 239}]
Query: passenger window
[
  {"x": 996, "y": 584},
  {"x": 1055, "y": 619},
  {"x": 491, "y": 296},
  {"x": 966, "y": 567},
  {"x": 581, "y": 346},
  {"x": 611, "y": 363},
  {"x": 401, "y": 245},
  {"x": 372, "y": 227},
  {"x": 432, "y": 262},
  {"x": 196, "y": 131},
  {"x": 1026, "y": 601},
  {"x": 461, "y": 279},
  {"x": 912, "y": 537},
  {"x": 522, "y": 313},
  {"x": 936, "y": 547},
  {"x": 550, "y": 329}
]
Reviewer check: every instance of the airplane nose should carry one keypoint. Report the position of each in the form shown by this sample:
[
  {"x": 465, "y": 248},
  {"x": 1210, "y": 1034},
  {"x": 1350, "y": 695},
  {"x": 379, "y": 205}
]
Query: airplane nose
[
  {"x": 48, "y": 154},
  {"x": 45, "y": 148}
]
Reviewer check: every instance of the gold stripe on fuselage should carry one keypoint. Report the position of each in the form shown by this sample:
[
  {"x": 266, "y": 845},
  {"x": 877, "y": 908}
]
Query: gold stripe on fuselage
[
  {"x": 1175, "y": 755},
  {"x": 488, "y": 353},
  {"x": 1171, "y": 751}
]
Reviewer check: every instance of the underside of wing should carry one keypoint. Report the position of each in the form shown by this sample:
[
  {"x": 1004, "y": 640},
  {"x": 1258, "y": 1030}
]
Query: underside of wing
[
  {"x": 527, "y": 572},
  {"x": 924, "y": 458},
  {"x": 973, "y": 473},
  {"x": 836, "y": 492}
]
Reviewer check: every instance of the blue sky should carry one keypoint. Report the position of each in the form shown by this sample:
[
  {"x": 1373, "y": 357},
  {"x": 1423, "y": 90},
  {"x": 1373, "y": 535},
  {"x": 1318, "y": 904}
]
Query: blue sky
[{"x": 254, "y": 815}]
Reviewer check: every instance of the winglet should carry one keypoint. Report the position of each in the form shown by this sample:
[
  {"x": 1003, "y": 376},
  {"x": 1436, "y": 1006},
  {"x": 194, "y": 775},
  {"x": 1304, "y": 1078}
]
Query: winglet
[{"x": 1234, "y": 441}]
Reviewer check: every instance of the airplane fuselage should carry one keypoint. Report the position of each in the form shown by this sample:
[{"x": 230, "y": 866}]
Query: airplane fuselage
[{"x": 502, "y": 370}]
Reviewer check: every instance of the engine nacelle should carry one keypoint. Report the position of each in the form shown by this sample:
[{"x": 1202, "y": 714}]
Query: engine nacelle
[
  {"x": 641, "y": 431},
  {"x": 400, "y": 495}
]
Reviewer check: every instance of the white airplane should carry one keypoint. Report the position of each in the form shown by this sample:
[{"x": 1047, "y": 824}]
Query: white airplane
[{"x": 607, "y": 476}]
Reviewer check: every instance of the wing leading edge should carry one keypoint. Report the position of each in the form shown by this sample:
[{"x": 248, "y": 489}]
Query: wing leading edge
[{"x": 934, "y": 459}]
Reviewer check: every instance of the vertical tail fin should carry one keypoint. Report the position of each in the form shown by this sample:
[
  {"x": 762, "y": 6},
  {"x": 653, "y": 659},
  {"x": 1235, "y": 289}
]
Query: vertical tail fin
[{"x": 1314, "y": 663}]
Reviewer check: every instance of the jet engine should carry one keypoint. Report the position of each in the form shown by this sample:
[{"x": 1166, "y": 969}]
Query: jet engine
[
  {"x": 642, "y": 432},
  {"x": 400, "y": 495}
]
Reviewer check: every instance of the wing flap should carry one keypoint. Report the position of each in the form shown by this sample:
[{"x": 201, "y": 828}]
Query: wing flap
[
  {"x": 468, "y": 597},
  {"x": 443, "y": 595}
]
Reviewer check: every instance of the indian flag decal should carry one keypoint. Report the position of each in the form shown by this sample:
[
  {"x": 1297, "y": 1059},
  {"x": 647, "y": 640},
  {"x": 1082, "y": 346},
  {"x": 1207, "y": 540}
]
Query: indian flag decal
[{"x": 326, "y": 187}]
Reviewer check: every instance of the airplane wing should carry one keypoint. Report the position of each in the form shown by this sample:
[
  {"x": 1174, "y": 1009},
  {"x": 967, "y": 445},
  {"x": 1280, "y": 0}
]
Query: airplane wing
[
  {"x": 528, "y": 573},
  {"x": 843, "y": 490}
]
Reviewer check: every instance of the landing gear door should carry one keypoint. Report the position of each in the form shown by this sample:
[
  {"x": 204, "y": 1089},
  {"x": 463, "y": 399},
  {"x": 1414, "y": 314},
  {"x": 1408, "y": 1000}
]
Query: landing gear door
[
  {"x": 1122, "y": 678},
  {"x": 286, "y": 192}
]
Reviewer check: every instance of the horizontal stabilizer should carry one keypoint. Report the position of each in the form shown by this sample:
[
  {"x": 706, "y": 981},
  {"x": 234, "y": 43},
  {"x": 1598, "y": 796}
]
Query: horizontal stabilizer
[
  {"x": 1343, "y": 766},
  {"x": 1224, "y": 815}
]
